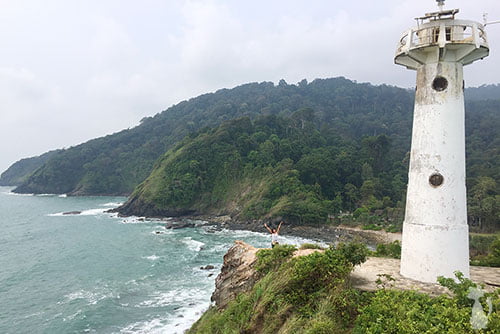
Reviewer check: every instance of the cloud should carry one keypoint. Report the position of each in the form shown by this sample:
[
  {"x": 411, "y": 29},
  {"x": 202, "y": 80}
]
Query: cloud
[
  {"x": 72, "y": 71},
  {"x": 22, "y": 93}
]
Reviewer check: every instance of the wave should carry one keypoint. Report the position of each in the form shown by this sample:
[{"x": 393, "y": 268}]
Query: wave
[
  {"x": 159, "y": 326},
  {"x": 151, "y": 257},
  {"x": 190, "y": 305},
  {"x": 244, "y": 234},
  {"x": 58, "y": 214},
  {"x": 92, "y": 212},
  {"x": 10, "y": 193},
  {"x": 112, "y": 204},
  {"x": 222, "y": 248},
  {"x": 139, "y": 220},
  {"x": 135, "y": 220},
  {"x": 89, "y": 212},
  {"x": 90, "y": 297},
  {"x": 193, "y": 245}
]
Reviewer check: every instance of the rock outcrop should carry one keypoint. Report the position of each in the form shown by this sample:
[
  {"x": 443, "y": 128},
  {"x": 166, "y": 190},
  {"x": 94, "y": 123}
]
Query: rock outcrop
[{"x": 237, "y": 274}]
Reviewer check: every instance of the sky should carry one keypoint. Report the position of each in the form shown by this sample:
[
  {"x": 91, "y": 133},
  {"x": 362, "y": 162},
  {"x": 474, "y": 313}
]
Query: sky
[{"x": 73, "y": 70}]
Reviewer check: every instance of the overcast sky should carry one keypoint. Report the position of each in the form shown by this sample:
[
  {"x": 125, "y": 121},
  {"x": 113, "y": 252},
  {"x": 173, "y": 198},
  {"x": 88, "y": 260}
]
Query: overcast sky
[{"x": 73, "y": 70}]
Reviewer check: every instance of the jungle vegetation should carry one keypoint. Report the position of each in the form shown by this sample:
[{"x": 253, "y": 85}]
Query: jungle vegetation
[{"x": 328, "y": 148}]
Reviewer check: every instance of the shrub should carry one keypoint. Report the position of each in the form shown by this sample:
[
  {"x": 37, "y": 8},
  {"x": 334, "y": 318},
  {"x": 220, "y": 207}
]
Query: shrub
[
  {"x": 310, "y": 246},
  {"x": 392, "y": 250},
  {"x": 492, "y": 256},
  {"x": 460, "y": 289},
  {"x": 405, "y": 312},
  {"x": 354, "y": 252},
  {"x": 268, "y": 259},
  {"x": 312, "y": 275}
]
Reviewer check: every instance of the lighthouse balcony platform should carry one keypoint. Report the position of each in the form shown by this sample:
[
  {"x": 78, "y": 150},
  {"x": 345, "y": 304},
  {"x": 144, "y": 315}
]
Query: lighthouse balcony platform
[{"x": 442, "y": 40}]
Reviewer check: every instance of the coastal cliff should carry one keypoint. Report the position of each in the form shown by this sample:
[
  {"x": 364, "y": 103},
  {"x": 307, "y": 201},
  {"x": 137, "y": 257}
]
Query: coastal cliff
[
  {"x": 278, "y": 291},
  {"x": 237, "y": 275}
]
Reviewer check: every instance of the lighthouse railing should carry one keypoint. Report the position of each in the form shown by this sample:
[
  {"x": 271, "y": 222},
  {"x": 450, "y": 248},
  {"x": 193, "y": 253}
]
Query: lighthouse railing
[{"x": 440, "y": 34}]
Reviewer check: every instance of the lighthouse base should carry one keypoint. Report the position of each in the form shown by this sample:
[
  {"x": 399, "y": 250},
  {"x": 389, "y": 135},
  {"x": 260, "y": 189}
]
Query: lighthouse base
[{"x": 430, "y": 251}]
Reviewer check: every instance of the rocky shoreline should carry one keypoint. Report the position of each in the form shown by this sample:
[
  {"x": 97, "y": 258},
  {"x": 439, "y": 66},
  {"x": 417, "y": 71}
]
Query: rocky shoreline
[
  {"x": 321, "y": 233},
  {"x": 327, "y": 233}
]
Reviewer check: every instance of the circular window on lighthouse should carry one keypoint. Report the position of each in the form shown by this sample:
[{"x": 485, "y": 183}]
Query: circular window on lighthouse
[
  {"x": 439, "y": 84},
  {"x": 436, "y": 179}
]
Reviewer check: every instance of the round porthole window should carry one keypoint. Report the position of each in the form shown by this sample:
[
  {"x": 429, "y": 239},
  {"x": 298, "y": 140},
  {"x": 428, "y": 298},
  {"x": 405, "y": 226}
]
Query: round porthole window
[
  {"x": 436, "y": 179},
  {"x": 439, "y": 84}
]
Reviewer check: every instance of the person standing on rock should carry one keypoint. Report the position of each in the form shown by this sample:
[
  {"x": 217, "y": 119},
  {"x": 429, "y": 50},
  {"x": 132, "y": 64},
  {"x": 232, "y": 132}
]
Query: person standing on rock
[{"x": 274, "y": 234}]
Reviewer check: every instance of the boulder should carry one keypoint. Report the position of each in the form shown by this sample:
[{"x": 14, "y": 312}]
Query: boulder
[
  {"x": 72, "y": 213},
  {"x": 177, "y": 225},
  {"x": 237, "y": 274}
]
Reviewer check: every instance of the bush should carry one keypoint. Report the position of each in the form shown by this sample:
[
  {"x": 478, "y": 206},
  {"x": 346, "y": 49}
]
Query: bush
[
  {"x": 310, "y": 246},
  {"x": 492, "y": 256},
  {"x": 391, "y": 250},
  {"x": 460, "y": 289},
  {"x": 268, "y": 259},
  {"x": 312, "y": 275},
  {"x": 411, "y": 312},
  {"x": 405, "y": 312},
  {"x": 354, "y": 252}
]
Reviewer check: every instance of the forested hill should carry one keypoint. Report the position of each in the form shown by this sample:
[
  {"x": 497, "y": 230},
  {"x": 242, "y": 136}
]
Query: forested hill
[
  {"x": 275, "y": 166},
  {"x": 304, "y": 170},
  {"x": 19, "y": 171},
  {"x": 115, "y": 164},
  {"x": 361, "y": 128}
]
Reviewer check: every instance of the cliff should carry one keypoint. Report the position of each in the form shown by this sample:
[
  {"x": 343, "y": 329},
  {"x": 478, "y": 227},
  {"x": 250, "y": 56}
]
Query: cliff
[
  {"x": 279, "y": 291},
  {"x": 237, "y": 275}
]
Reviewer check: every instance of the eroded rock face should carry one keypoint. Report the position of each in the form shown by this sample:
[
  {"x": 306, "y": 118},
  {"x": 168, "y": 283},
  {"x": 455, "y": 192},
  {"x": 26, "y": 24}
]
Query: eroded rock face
[{"x": 237, "y": 274}]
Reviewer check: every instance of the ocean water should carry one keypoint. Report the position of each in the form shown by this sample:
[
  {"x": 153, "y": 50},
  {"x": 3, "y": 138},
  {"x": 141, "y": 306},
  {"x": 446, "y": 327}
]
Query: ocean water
[{"x": 97, "y": 273}]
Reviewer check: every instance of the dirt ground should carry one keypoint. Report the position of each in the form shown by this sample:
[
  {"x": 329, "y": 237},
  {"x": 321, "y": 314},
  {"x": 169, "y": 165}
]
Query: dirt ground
[{"x": 364, "y": 276}]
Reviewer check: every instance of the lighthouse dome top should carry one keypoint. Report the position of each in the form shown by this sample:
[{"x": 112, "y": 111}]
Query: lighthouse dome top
[{"x": 438, "y": 36}]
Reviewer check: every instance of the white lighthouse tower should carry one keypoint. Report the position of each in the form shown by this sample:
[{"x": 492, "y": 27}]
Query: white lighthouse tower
[{"x": 435, "y": 232}]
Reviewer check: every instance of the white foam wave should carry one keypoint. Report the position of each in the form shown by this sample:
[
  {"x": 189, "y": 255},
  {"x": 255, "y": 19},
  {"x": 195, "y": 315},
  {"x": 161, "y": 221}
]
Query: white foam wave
[
  {"x": 151, "y": 257},
  {"x": 193, "y": 303},
  {"x": 15, "y": 194},
  {"x": 59, "y": 214},
  {"x": 93, "y": 212},
  {"x": 72, "y": 316},
  {"x": 63, "y": 196},
  {"x": 89, "y": 212},
  {"x": 112, "y": 204},
  {"x": 222, "y": 248},
  {"x": 135, "y": 220},
  {"x": 90, "y": 297},
  {"x": 154, "y": 326},
  {"x": 193, "y": 245},
  {"x": 182, "y": 296},
  {"x": 187, "y": 316}
]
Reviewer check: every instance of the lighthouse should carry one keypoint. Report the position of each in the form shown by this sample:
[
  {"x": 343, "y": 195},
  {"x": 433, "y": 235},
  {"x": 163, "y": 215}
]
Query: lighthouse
[{"x": 435, "y": 239}]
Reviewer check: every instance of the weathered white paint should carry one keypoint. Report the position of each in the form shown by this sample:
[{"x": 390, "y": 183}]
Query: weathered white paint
[{"x": 435, "y": 232}]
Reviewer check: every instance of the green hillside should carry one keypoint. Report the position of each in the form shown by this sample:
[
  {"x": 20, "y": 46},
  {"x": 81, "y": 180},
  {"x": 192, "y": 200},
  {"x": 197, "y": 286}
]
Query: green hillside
[
  {"x": 18, "y": 172},
  {"x": 115, "y": 164},
  {"x": 273, "y": 167},
  {"x": 294, "y": 167},
  {"x": 367, "y": 126}
]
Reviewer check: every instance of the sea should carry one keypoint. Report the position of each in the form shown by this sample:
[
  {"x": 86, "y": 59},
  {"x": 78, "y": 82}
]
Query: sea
[{"x": 95, "y": 272}]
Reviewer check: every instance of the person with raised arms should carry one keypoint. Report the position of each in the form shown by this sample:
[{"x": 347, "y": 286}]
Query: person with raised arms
[{"x": 274, "y": 234}]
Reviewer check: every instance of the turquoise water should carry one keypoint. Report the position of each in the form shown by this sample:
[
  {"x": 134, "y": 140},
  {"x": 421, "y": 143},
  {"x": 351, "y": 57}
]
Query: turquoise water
[{"x": 98, "y": 273}]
